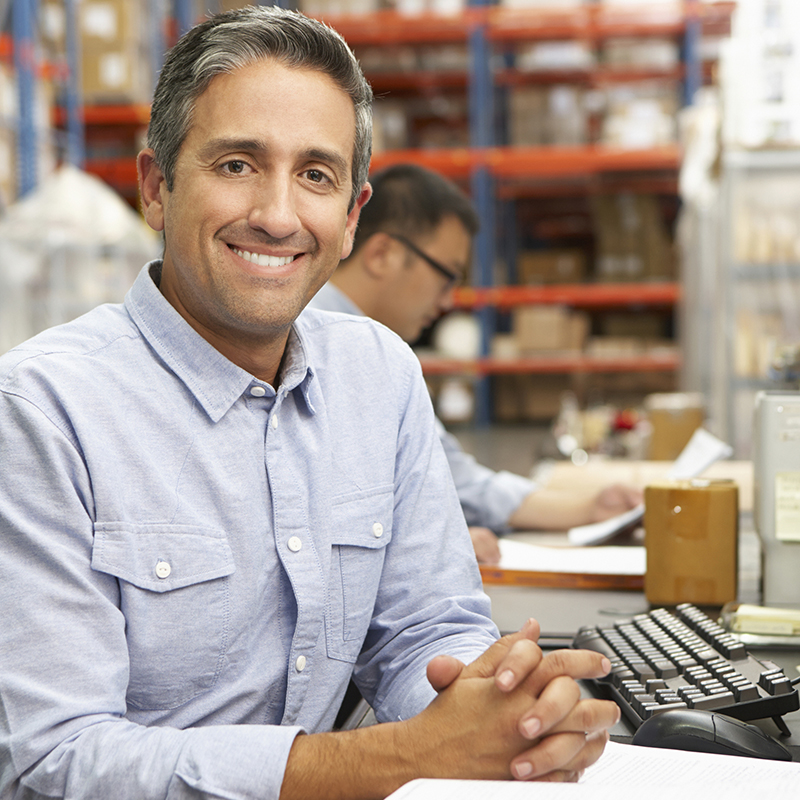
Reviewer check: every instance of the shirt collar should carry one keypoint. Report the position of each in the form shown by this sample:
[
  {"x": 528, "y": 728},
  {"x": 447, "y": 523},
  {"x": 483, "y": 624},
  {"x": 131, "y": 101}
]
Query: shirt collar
[{"x": 215, "y": 381}]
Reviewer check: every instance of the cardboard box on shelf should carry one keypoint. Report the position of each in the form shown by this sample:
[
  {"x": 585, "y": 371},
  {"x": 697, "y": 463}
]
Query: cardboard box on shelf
[
  {"x": 641, "y": 326},
  {"x": 566, "y": 265},
  {"x": 105, "y": 24},
  {"x": 542, "y": 396},
  {"x": 632, "y": 241},
  {"x": 614, "y": 346},
  {"x": 546, "y": 328},
  {"x": 528, "y": 398},
  {"x": 115, "y": 75},
  {"x": 673, "y": 417}
]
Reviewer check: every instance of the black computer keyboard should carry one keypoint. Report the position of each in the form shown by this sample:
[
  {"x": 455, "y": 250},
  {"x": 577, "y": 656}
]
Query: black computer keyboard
[{"x": 664, "y": 660}]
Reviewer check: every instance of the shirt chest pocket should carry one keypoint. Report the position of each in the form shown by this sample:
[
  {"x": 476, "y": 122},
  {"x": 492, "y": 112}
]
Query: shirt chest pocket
[
  {"x": 361, "y": 528},
  {"x": 174, "y": 595}
]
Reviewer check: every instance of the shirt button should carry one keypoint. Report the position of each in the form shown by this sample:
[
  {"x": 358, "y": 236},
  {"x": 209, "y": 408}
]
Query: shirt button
[
  {"x": 377, "y": 530},
  {"x": 300, "y": 664},
  {"x": 295, "y": 544},
  {"x": 163, "y": 569},
  {"x": 274, "y": 423},
  {"x": 258, "y": 391}
]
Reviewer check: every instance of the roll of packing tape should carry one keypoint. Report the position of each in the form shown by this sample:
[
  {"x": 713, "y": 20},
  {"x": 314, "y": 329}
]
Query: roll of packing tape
[{"x": 691, "y": 539}]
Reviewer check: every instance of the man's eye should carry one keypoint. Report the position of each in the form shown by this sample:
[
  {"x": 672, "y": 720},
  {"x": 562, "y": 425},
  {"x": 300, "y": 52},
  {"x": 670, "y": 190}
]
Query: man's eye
[
  {"x": 316, "y": 176},
  {"x": 235, "y": 167}
]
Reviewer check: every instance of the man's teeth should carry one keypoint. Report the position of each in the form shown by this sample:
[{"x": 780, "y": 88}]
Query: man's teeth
[{"x": 263, "y": 260}]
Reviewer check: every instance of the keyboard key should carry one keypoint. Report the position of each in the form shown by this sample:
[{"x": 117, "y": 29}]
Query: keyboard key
[
  {"x": 708, "y": 702},
  {"x": 747, "y": 691}
]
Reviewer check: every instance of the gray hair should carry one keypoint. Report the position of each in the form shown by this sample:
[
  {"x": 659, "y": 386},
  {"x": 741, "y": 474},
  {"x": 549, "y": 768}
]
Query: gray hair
[{"x": 235, "y": 39}]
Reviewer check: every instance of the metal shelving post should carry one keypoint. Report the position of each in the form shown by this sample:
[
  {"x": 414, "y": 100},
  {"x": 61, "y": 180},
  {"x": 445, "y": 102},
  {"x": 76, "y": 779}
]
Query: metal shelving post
[
  {"x": 691, "y": 52},
  {"x": 73, "y": 96},
  {"x": 184, "y": 15},
  {"x": 481, "y": 119},
  {"x": 23, "y": 13}
]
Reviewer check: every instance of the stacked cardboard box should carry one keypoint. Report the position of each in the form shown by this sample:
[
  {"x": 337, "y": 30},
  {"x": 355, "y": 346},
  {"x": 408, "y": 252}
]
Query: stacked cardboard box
[
  {"x": 564, "y": 265},
  {"x": 528, "y": 398},
  {"x": 115, "y": 51},
  {"x": 632, "y": 241},
  {"x": 549, "y": 329},
  {"x": 548, "y": 116}
]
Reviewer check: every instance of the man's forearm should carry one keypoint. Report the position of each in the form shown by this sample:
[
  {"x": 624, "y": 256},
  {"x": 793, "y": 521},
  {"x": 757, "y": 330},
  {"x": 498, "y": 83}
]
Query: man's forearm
[
  {"x": 363, "y": 764},
  {"x": 552, "y": 510}
]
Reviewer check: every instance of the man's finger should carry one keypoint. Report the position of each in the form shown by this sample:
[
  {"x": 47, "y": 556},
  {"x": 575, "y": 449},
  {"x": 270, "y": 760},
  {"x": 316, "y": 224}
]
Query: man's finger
[
  {"x": 577, "y": 664},
  {"x": 487, "y": 663},
  {"x": 559, "y": 755}
]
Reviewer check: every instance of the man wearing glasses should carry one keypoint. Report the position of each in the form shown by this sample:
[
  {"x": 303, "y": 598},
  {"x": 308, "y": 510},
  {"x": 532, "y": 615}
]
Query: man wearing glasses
[{"x": 412, "y": 247}]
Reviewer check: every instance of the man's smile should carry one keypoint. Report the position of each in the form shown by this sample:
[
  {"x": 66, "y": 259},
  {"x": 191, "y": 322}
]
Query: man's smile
[{"x": 263, "y": 260}]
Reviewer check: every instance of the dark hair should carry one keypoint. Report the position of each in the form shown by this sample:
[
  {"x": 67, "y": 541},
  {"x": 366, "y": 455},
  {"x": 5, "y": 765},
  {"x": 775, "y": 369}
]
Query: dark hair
[
  {"x": 411, "y": 200},
  {"x": 235, "y": 39}
]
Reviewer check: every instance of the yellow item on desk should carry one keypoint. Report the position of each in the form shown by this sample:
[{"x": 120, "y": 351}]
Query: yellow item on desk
[{"x": 691, "y": 539}]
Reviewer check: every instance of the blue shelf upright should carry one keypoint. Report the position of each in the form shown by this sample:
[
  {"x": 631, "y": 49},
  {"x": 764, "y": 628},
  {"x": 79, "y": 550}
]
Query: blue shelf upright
[
  {"x": 481, "y": 119},
  {"x": 23, "y": 14}
]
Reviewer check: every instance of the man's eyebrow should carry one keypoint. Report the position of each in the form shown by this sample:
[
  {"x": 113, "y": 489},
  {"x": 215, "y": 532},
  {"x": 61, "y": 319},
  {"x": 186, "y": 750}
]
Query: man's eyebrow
[{"x": 214, "y": 147}]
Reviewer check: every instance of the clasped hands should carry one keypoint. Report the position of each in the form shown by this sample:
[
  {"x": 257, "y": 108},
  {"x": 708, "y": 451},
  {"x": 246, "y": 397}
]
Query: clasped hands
[{"x": 517, "y": 713}]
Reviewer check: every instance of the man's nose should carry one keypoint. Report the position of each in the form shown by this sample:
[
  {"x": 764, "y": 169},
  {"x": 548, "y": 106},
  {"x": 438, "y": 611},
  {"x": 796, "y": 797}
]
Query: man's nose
[{"x": 274, "y": 208}]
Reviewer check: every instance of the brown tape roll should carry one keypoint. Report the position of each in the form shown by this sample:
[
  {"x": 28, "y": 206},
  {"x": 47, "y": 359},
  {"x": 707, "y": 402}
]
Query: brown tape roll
[{"x": 691, "y": 538}]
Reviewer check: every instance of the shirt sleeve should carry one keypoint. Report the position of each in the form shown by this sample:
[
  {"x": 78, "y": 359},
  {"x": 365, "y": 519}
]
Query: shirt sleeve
[
  {"x": 63, "y": 656},
  {"x": 447, "y": 612},
  {"x": 487, "y": 498}
]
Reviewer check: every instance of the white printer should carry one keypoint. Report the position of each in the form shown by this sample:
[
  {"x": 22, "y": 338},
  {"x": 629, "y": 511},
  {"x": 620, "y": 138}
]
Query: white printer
[{"x": 776, "y": 494}]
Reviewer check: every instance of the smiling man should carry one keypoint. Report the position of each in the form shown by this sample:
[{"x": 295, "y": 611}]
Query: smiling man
[{"x": 215, "y": 511}]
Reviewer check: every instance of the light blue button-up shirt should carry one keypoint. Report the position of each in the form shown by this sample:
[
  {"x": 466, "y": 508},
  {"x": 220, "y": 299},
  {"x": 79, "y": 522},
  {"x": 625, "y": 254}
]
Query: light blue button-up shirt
[
  {"x": 488, "y": 497},
  {"x": 193, "y": 564}
]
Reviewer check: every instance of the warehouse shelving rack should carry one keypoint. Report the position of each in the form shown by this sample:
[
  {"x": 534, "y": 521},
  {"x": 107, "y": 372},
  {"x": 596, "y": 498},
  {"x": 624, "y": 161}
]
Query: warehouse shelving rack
[{"x": 497, "y": 175}]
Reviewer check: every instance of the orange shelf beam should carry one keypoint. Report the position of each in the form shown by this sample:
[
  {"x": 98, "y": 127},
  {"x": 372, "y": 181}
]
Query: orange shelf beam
[
  {"x": 108, "y": 115},
  {"x": 555, "y": 364},
  {"x": 577, "y": 295},
  {"x": 382, "y": 28},
  {"x": 537, "y": 162}
]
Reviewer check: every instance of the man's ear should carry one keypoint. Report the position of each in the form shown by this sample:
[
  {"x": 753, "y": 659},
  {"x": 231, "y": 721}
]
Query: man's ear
[
  {"x": 379, "y": 256},
  {"x": 151, "y": 186},
  {"x": 352, "y": 220}
]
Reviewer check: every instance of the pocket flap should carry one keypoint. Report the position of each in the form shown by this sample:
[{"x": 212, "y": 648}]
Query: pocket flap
[
  {"x": 366, "y": 519},
  {"x": 161, "y": 557}
]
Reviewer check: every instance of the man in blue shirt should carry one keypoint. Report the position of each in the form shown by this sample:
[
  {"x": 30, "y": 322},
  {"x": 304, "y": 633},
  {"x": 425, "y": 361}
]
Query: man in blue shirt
[
  {"x": 411, "y": 248},
  {"x": 215, "y": 511}
]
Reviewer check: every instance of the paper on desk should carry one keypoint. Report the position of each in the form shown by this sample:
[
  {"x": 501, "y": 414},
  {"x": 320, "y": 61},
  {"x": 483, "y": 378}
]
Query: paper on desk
[
  {"x": 572, "y": 560},
  {"x": 627, "y": 772},
  {"x": 702, "y": 450}
]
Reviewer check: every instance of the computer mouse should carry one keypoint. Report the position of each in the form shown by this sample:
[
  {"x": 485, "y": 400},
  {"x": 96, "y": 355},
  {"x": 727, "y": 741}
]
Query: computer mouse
[{"x": 708, "y": 732}]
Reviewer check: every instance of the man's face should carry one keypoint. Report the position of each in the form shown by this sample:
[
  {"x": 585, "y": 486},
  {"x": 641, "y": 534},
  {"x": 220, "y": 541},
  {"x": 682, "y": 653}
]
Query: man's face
[
  {"x": 419, "y": 294},
  {"x": 257, "y": 218}
]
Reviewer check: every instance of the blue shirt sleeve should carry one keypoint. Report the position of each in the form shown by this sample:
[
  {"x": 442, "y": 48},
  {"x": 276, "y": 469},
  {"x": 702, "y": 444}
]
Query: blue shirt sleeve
[{"x": 488, "y": 498}]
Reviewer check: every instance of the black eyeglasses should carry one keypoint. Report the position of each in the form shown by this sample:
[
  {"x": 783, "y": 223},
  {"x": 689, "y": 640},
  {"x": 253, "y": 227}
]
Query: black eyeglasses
[{"x": 453, "y": 278}]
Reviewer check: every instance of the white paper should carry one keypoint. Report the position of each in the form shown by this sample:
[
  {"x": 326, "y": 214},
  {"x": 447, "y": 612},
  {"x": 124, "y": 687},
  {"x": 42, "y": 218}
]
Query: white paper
[
  {"x": 600, "y": 532},
  {"x": 702, "y": 450},
  {"x": 572, "y": 560},
  {"x": 628, "y": 772}
]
